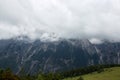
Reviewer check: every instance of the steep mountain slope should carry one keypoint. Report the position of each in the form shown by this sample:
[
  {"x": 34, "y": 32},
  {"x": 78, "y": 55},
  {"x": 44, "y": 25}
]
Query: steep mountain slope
[
  {"x": 109, "y": 53},
  {"x": 55, "y": 56}
]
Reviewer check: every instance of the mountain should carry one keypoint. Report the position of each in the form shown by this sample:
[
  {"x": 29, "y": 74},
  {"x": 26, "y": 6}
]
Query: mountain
[{"x": 61, "y": 55}]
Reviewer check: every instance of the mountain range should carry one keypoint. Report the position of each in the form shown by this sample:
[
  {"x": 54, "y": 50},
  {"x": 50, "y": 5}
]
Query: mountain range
[{"x": 54, "y": 56}]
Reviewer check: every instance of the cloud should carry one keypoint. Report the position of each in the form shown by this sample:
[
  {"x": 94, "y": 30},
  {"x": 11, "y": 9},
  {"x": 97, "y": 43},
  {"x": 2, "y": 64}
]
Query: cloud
[
  {"x": 95, "y": 41},
  {"x": 39, "y": 19}
]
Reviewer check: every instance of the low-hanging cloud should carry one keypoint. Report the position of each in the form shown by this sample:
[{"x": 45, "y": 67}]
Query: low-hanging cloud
[{"x": 89, "y": 19}]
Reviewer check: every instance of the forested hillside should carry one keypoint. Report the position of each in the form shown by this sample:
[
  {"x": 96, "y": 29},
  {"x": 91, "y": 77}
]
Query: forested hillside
[{"x": 7, "y": 74}]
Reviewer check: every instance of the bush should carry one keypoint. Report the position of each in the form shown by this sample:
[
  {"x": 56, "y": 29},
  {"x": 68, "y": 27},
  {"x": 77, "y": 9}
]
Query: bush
[
  {"x": 80, "y": 78},
  {"x": 100, "y": 70}
]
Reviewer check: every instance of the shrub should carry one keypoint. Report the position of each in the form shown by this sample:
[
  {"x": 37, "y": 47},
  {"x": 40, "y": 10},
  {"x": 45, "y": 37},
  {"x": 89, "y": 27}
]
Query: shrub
[{"x": 80, "y": 78}]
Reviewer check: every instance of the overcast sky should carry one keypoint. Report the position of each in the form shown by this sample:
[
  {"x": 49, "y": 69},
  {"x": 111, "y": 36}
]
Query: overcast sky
[{"x": 89, "y": 19}]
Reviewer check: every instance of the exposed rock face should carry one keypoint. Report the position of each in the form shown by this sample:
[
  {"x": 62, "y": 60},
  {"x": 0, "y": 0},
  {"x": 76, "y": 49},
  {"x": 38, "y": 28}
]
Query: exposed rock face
[
  {"x": 109, "y": 53},
  {"x": 55, "y": 56}
]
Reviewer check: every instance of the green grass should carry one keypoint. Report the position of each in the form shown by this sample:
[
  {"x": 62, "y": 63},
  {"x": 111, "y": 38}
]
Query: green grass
[{"x": 107, "y": 74}]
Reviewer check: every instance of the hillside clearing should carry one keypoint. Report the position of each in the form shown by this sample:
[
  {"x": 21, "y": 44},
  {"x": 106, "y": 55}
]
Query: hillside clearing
[{"x": 107, "y": 74}]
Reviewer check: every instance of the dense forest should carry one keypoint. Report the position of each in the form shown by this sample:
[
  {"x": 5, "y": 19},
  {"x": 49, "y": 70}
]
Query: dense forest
[{"x": 7, "y": 74}]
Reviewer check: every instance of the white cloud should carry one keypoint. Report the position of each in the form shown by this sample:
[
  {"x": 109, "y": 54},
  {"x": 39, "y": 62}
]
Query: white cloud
[
  {"x": 90, "y": 19},
  {"x": 96, "y": 41}
]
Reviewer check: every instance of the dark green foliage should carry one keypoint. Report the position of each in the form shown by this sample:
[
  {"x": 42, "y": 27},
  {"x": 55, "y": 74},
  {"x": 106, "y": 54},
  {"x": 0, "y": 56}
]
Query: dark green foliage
[
  {"x": 86, "y": 70},
  {"x": 100, "y": 70},
  {"x": 27, "y": 77},
  {"x": 80, "y": 78},
  {"x": 49, "y": 76},
  {"x": 8, "y": 75}
]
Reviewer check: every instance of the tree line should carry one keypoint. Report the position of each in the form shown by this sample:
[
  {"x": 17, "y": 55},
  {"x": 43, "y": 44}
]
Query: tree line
[
  {"x": 87, "y": 70},
  {"x": 7, "y": 74}
]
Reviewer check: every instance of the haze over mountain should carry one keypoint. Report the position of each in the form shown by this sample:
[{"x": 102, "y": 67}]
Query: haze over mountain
[
  {"x": 62, "y": 55},
  {"x": 85, "y": 19}
]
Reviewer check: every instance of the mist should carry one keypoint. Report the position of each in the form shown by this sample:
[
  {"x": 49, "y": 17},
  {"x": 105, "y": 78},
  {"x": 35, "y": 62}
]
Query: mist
[{"x": 50, "y": 19}]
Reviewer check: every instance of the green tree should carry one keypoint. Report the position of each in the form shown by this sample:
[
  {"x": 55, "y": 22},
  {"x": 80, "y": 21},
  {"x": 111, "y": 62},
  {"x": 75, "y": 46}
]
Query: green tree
[
  {"x": 40, "y": 77},
  {"x": 80, "y": 78},
  {"x": 8, "y": 75}
]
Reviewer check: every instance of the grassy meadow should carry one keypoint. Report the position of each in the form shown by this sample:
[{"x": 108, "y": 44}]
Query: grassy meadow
[{"x": 107, "y": 74}]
